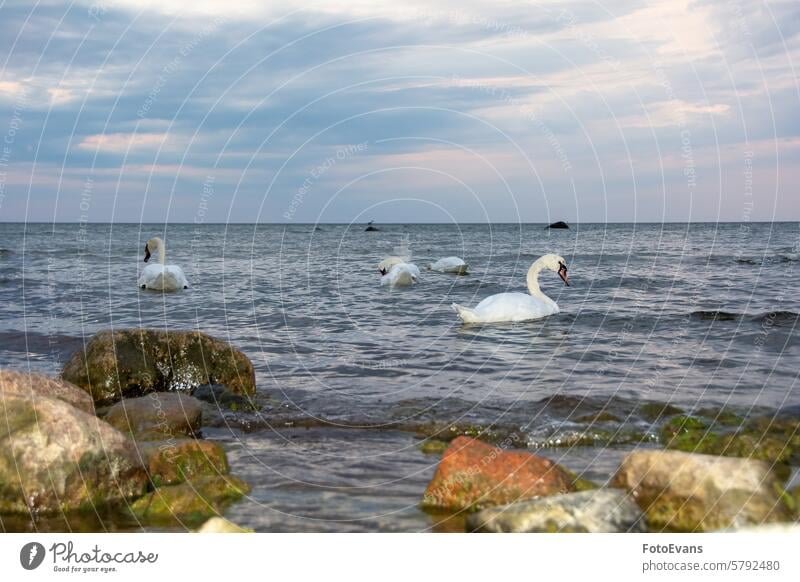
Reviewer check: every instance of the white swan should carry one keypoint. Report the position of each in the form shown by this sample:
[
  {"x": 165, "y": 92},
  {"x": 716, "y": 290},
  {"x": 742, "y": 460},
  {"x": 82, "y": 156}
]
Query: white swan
[
  {"x": 455, "y": 265},
  {"x": 160, "y": 277},
  {"x": 396, "y": 272},
  {"x": 518, "y": 306},
  {"x": 386, "y": 264}
]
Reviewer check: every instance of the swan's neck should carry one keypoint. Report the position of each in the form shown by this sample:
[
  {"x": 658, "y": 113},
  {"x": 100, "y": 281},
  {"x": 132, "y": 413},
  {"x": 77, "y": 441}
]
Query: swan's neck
[
  {"x": 533, "y": 282},
  {"x": 161, "y": 253}
]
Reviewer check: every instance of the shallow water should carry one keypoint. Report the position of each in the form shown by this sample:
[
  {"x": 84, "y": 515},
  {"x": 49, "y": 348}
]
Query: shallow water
[{"x": 696, "y": 315}]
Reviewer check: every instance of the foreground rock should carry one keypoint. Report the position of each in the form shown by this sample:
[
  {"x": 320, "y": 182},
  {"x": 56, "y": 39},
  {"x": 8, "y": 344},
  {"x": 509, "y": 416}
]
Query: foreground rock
[
  {"x": 221, "y": 525},
  {"x": 133, "y": 362},
  {"x": 770, "y": 528},
  {"x": 473, "y": 475},
  {"x": 37, "y": 385},
  {"x": 157, "y": 416},
  {"x": 56, "y": 458},
  {"x": 688, "y": 492},
  {"x": 601, "y": 510},
  {"x": 190, "y": 502},
  {"x": 175, "y": 461}
]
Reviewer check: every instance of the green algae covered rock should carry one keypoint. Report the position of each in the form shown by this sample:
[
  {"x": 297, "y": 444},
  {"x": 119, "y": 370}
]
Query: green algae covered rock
[
  {"x": 723, "y": 416},
  {"x": 175, "y": 461},
  {"x": 655, "y": 411},
  {"x": 776, "y": 441},
  {"x": 55, "y": 458},
  {"x": 433, "y": 446},
  {"x": 189, "y": 502},
  {"x": 686, "y": 492},
  {"x": 133, "y": 362}
]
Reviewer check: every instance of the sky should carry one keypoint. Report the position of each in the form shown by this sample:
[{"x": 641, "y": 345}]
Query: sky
[{"x": 419, "y": 111}]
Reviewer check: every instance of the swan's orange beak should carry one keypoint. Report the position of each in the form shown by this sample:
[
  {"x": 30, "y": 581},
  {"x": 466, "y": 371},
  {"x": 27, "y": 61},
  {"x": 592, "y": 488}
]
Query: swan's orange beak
[
  {"x": 146, "y": 253},
  {"x": 562, "y": 272}
]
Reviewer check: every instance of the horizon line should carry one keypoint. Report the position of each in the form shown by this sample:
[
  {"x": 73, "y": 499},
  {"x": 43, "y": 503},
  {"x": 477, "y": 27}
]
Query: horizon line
[{"x": 208, "y": 223}]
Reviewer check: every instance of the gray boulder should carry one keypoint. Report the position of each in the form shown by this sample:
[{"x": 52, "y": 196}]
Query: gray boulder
[
  {"x": 56, "y": 458},
  {"x": 37, "y": 385},
  {"x": 157, "y": 416},
  {"x": 598, "y": 510},
  {"x": 687, "y": 492}
]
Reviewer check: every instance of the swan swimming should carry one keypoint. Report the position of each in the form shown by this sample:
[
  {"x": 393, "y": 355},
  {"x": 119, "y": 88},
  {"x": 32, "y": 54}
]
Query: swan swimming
[
  {"x": 161, "y": 277},
  {"x": 396, "y": 272},
  {"x": 518, "y": 306},
  {"x": 455, "y": 265}
]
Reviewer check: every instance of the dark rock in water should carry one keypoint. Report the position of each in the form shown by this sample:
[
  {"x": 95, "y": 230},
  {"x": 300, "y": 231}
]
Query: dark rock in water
[
  {"x": 193, "y": 501},
  {"x": 38, "y": 385},
  {"x": 598, "y": 511},
  {"x": 473, "y": 475},
  {"x": 655, "y": 411},
  {"x": 157, "y": 416},
  {"x": 687, "y": 492},
  {"x": 174, "y": 461},
  {"x": 219, "y": 395},
  {"x": 715, "y": 315},
  {"x": 133, "y": 362},
  {"x": 559, "y": 224},
  {"x": 598, "y": 417},
  {"x": 55, "y": 458},
  {"x": 371, "y": 229}
]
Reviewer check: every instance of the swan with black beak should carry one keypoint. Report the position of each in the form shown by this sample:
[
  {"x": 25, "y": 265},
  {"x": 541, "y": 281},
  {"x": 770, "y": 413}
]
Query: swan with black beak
[{"x": 158, "y": 276}]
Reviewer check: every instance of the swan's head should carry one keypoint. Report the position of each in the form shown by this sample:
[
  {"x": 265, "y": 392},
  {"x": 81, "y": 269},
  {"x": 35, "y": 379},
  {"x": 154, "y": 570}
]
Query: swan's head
[
  {"x": 151, "y": 246},
  {"x": 557, "y": 264}
]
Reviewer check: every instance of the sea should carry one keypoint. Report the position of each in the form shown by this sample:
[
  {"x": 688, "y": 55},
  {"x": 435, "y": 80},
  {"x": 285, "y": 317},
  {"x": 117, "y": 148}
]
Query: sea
[{"x": 696, "y": 316}]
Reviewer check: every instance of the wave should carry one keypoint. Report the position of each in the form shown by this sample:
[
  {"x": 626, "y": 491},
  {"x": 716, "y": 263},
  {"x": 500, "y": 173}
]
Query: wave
[
  {"x": 31, "y": 342},
  {"x": 778, "y": 317},
  {"x": 768, "y": 260}
]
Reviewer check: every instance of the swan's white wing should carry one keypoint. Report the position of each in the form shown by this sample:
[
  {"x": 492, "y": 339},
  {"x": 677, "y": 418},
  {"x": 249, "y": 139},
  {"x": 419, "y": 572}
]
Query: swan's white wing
[
  {"x": 163, "y": 278},
  {"x": 177, "y": 273},
  {"x": 513, "y": 307},
  {"x": 401, "y": 275},
  {"x": 389, "y": 262},
  {"x": 450, "y": 265}
]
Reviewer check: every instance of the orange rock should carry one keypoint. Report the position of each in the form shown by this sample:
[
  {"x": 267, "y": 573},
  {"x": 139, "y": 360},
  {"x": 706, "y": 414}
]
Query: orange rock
[{"x": 473, "y": 475}]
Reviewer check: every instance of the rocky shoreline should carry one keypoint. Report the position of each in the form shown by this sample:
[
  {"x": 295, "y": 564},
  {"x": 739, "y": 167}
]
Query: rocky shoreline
[{"x": 120, "y": 434}]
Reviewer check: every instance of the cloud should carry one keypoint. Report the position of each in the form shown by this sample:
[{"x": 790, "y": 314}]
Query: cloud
[
  {"x": 559, "y": 94},
  {"x": 122, "y": 142}
]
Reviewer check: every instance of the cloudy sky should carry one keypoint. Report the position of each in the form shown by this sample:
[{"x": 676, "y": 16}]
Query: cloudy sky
[{"x": 413, "y": 111}]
